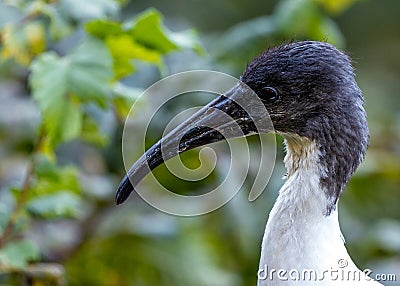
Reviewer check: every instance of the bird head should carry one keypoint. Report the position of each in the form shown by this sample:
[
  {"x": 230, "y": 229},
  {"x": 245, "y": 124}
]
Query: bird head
[{"x": 304, "y": 89}]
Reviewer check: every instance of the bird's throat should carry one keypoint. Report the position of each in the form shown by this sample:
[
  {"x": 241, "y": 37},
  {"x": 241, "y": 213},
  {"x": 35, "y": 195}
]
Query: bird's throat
[
  {"x": 302, "y": 155},
  {"x": 306, "y": 168},
  {"x": 299, "y": 235},
  {"x": 304, "y": 172}
]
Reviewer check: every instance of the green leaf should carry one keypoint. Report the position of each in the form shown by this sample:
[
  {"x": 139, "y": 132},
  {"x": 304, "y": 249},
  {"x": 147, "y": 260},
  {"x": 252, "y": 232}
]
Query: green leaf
[
  {"x": 148, "y": 30},
  {"x": 65, "y": 179},
  {"x": 63, "y": 120},
  {"x": 16, "y": 254},
  {"x": 60, "y": 84},
  {"x": 62, "y": 204},
  {"x": 123, "y": 49},
  {"x": 145, "y": 38},
  {"x": 102, "y": 28},
  {"x": 91, "y": 72}
]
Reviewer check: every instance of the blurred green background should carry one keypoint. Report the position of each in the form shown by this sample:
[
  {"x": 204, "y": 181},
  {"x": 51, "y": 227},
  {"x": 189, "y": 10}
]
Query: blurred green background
[{"x": 69, "y": 72}]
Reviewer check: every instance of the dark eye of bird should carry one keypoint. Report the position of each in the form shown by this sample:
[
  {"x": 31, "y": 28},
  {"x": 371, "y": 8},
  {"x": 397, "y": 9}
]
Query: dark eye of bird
[{"x": 269, "y": 94}]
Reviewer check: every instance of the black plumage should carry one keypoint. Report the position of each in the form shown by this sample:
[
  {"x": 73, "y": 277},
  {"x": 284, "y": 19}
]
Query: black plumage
[{"x": 308, "y": 89}]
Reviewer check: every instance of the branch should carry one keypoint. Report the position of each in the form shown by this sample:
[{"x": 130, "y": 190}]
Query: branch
[
  {"x": 18, "y": 206},
  {"x": 23, "y": 195}
]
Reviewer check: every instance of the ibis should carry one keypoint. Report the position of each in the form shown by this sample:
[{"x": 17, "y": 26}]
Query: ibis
[{"x": 309, "y": 92}]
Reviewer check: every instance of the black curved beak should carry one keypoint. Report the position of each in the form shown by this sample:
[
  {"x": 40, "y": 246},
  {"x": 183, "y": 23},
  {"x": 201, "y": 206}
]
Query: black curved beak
[{"x": 238, "y": 112}]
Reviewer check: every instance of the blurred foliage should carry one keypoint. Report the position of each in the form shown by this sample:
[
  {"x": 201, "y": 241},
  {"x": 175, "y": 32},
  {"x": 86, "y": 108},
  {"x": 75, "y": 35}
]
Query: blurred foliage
[
  {"x": 64, "y": 85},
  {"x": 300, "y": 19},
  {"x": 70, "y": 71},
  {"x": 16, "y": 254},
  {"x": 336, "y": 6}
]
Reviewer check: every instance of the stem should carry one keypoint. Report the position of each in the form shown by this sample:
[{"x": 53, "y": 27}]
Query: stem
[
  {"x": 23, "y": 195},
  {"x": 18, "y": 206}
]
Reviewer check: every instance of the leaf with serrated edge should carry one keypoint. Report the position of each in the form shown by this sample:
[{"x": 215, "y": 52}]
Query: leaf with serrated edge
[
  {"x": 102, "y": 28},
  {"x": 60, "y": 84},
  {"x": 149, "y": 31},
  {"x": 65, "y": 179}
]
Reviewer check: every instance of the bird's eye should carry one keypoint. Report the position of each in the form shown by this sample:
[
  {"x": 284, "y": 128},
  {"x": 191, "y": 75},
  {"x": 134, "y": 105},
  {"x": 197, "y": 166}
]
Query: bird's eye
[{"x": 269, "y": 94}]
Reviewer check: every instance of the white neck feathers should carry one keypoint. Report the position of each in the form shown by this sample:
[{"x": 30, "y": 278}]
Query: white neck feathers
[{"x": 298, "y": 234}]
